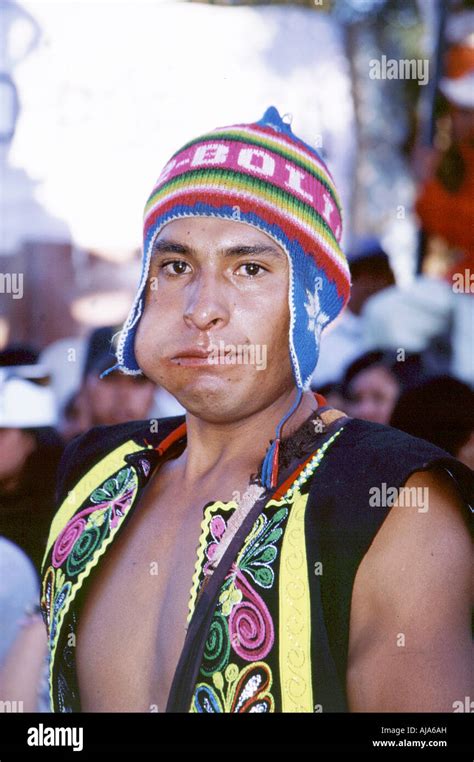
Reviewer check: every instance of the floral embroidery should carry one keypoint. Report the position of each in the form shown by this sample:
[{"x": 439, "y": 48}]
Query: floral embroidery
[
  {"x": 248, "y": 691},
  {"x": 217, "y": 528},
  {"x": 83, "y": 534},
  {"x": 55, "y": 592},
  {"x": 242, "y": 626},
  {"x": 80, "y": 539}
]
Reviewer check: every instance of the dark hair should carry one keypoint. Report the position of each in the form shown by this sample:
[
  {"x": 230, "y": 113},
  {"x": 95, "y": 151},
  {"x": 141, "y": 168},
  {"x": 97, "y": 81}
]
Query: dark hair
[
  {"x": 68, "y": 407},
  {"x": 45, "y": 436},
  {"x": 330, "y": 387},
  {"x": 373, "y": 264},
  {"x": 440, "y": 410},
  {"x": 99, "y": 354},
  {"x": 18, "y": 354},
  {"x": 40, "y": 469},
  {"x": 407, "y": 372}
]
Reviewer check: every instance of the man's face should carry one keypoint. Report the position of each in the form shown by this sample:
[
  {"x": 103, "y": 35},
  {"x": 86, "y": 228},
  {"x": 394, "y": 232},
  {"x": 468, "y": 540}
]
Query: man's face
[
  {"x": 220, "y": 288},
  {"x": 15, "y": 447},
  {"x": 373, "y": 395}
]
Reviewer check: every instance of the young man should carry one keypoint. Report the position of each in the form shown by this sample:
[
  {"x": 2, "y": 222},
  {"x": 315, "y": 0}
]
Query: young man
[{"x": 192, "y": 567}]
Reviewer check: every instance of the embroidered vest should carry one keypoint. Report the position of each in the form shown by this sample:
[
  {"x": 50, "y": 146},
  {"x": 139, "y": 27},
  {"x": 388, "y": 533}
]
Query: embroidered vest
[{"x": 277, "y": 632}]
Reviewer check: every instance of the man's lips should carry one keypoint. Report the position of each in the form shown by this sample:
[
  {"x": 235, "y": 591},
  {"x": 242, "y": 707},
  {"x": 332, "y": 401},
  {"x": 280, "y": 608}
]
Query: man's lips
[
  {"x": 192, "y": 357},
  {"x": 195, "y": 356},
  {"x": 192, "y": 352}
]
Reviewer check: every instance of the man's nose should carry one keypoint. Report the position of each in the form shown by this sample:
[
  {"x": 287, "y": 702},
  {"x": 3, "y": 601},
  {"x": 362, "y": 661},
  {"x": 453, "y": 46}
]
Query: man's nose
[{"x": 207, "y": 306}]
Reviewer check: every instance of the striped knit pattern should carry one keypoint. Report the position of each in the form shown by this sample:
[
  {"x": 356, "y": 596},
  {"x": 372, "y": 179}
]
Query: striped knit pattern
[{"x": 256, "y": 168}]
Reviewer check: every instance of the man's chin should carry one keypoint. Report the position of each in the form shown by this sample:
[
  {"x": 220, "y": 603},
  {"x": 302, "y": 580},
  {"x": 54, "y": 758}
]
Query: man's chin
[{"x": 214, "y": 402}]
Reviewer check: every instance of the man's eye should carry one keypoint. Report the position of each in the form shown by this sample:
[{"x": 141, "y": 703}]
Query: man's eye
[
  {"x": 174, "y": 267},
  {"x": 251, "y": 269}
]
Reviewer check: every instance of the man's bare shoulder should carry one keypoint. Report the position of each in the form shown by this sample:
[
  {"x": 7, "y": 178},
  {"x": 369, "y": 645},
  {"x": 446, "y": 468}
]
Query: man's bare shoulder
[{"x": 410, "y": 618}]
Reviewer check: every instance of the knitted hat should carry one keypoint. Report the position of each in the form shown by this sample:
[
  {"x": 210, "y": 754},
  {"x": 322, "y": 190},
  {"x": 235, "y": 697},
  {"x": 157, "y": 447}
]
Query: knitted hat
[{"x": 263, "y": 175}]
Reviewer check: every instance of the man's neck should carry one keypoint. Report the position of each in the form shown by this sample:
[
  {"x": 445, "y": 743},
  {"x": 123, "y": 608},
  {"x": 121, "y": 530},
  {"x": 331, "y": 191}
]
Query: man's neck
[{"x": 212, "y": 447}]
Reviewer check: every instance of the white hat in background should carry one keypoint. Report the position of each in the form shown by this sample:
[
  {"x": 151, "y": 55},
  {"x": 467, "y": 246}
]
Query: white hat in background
[{"x": 26, "y": 398}]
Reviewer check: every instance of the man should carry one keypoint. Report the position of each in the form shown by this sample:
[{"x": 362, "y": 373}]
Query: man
[{"x": 192, "y": 567}]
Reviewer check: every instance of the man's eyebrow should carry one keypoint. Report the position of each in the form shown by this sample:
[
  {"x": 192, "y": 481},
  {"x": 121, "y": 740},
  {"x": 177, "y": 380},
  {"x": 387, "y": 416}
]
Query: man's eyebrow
[{"x": 167, "y": 246}]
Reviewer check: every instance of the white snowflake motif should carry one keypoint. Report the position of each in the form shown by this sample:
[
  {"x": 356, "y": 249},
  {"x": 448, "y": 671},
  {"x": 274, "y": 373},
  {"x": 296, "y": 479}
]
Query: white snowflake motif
[{"x": 317, "y": 318}]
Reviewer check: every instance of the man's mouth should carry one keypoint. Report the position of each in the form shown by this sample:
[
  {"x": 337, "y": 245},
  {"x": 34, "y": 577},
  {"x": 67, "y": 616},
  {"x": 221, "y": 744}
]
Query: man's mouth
[
  {"x": 191, "y": 356},
  {"x": 192, "y": 352},
  {"x": 197, "y": 356}
]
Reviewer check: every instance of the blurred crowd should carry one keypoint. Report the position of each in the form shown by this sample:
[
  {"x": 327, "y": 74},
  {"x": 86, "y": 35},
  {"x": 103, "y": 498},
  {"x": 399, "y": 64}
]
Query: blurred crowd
[{"x": 421, "y": 392}]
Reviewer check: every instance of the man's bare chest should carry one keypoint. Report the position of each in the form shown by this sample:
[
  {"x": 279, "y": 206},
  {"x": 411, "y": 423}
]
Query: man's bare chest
[{"x": 133, "y": 622}]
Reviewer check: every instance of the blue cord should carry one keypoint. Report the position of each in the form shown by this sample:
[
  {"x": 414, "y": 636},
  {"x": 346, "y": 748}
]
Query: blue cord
[{"x": 268, "y": 460}]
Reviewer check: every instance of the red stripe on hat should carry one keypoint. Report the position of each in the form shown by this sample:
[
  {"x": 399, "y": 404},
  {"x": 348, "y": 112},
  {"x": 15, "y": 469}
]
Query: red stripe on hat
[{"x": 293, "y": 143}]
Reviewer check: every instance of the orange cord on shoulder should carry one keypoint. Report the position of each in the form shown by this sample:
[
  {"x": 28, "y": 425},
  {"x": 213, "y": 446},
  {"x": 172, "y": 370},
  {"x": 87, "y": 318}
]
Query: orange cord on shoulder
[
  {"x": 179, "y": 432},
  {"x": 322, "y": 401}
]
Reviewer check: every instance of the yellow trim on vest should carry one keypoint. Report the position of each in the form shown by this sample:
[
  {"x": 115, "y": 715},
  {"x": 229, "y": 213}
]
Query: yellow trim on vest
[
  {"x": 110, "y": 463},
  {"x": 295, "y": 614},
  {"x": 209, "y": 513}
]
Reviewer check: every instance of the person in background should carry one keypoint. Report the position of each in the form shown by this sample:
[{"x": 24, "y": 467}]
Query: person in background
[
  {"x": 440, "y": 410},
  {"x": 434, "y": 314},
  {"x": 373, "y": 382},
  {"x": 116, "y": 398},
  {"x": 75, "y": 417},
  {"x": 445, "y": 201},
  {"x": 370, "y": 273},
  {"x": 23, "y": 644},
  {"x": 30, "y": 450},
  {"x": 113, "y": 399}
]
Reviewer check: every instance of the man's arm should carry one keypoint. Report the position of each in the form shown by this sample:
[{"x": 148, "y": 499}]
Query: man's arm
[{"x": 410, "y": 636}]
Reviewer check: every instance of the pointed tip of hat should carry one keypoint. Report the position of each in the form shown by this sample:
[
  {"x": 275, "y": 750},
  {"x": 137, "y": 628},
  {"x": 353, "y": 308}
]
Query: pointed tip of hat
[
  {"x": 273, "y": 119},
  {"x": 272, "y": 114}
]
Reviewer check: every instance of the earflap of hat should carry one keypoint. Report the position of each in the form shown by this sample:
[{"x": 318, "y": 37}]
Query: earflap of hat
[
  {"x": 126, "y": 358},
  {"x": 314, "y": 302}
]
